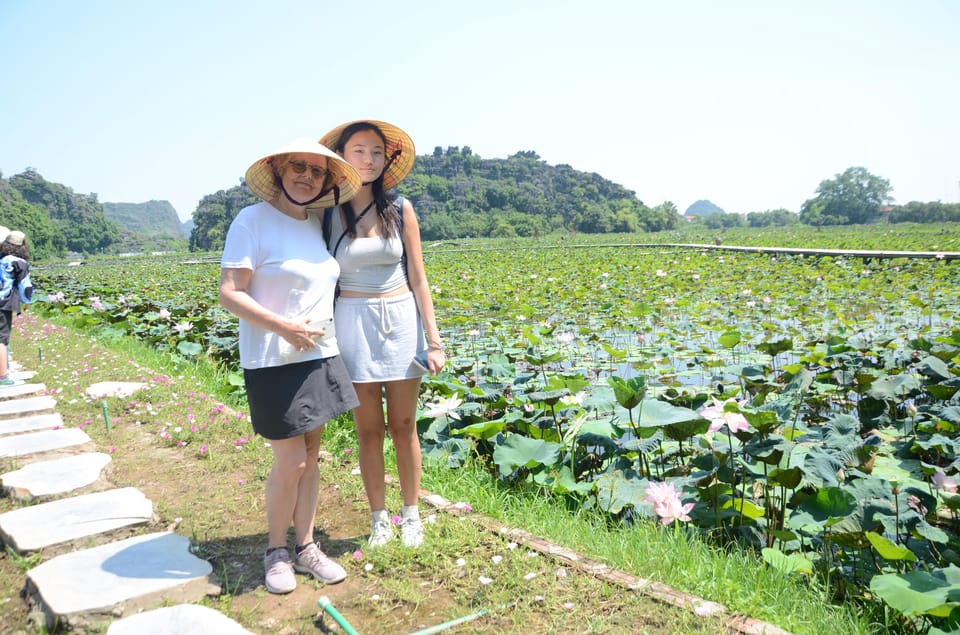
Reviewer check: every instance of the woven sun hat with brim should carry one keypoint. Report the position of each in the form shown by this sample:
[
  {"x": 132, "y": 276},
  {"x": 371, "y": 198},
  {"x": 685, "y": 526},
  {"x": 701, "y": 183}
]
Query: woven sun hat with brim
[
  {"x": 400, "y": 151},
  {"x": 342, "y": 184},
  {"x": 16, "y": 238}
]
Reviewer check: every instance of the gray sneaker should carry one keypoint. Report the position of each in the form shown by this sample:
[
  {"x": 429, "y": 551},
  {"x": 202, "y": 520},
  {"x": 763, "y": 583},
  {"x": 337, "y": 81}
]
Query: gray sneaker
[
  {"x": 279, "y": 574},
  {"x": 411, "y": 532},
  {"x": 313, "y": 561}
]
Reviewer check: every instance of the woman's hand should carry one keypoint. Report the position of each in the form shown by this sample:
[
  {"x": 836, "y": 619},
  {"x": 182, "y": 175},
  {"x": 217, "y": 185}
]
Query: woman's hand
[
  {"x": 300, "y": 334},
  {"x": 436, "y": 360}
]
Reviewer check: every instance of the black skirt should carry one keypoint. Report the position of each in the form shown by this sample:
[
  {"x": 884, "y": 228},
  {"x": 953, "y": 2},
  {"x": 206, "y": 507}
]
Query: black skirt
[{"x": 293, "y": 399}]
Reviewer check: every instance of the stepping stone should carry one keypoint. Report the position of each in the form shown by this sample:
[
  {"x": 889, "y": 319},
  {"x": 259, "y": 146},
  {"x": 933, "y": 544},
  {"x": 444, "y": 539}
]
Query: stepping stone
[
  {"x": 12, "y": 408},
  {"x": 30, "y": 424},
  {"x": 20, "y": 390},
  {"x": 19, "y": 445},
  {"x": 84, "y": 590},
  {"x": 185, "y": 619},
  {"x": 32, "y": 528},
  {"x": 22, "y": 375},
  {"x": 57, "y": 476}
]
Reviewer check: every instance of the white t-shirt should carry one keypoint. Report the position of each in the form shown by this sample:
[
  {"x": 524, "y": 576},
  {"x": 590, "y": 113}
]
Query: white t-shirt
[{"x": 293, "y": 275}]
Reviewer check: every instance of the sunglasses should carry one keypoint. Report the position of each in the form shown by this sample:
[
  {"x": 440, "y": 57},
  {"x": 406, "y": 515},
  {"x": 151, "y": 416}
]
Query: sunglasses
[{"x": 301, "y": 166}]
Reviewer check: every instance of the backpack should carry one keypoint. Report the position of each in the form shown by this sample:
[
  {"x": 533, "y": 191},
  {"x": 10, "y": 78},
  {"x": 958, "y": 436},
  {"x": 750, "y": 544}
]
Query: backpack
[{"x": 8, "y": 280}]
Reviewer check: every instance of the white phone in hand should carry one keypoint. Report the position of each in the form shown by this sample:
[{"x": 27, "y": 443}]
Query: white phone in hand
[{"x": 329, "y": 330}]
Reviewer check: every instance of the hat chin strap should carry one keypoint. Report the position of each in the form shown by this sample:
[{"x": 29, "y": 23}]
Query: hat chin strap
[{"x": 336, "y": 195}]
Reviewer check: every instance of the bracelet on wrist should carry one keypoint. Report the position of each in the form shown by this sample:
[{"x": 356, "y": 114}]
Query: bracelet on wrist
[{"x": 435, "y": 347}]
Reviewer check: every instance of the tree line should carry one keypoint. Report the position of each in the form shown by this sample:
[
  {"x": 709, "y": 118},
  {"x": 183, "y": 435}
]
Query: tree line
[{"x": 458, "y": 194}]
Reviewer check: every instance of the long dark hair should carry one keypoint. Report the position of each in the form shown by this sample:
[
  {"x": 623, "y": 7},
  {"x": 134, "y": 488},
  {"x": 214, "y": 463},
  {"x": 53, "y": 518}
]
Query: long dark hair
[{"x": 388, "y": 212}]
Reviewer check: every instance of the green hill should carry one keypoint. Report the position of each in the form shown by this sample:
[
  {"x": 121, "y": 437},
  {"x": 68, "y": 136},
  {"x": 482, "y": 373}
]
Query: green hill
[
  {"x": 150, "y": 218},
  {"x": 59, "y": 221},
  {"x": 458, "y": 194}
]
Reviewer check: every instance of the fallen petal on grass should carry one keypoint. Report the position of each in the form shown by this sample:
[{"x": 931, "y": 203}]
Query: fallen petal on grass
[{"x": 704, "y": 609}]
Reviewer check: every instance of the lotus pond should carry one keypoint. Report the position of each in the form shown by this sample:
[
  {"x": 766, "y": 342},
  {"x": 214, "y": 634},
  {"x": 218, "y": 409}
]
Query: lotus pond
[{"x": 806, "y": 408}]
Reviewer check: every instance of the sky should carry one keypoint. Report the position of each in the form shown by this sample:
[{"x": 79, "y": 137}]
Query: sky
[{"x": 748, "y": 104}]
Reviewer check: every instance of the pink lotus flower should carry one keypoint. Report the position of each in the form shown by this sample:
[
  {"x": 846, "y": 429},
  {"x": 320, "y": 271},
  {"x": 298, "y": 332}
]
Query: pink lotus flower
[
  {"x": 940, "y": 481},
  {"x": 164, "y": 313},
  {"x": 666, "y": 503},
  {"x": 718, "y": 417}
]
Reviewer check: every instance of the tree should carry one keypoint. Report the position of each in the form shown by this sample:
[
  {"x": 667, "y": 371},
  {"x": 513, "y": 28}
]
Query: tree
[
  {"x": 854, "y": 197},
  {"x": 772, "y": 218}
]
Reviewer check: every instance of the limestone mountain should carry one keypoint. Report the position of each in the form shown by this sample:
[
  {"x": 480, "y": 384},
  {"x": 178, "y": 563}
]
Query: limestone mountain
[{"x": 703, "y": 208}]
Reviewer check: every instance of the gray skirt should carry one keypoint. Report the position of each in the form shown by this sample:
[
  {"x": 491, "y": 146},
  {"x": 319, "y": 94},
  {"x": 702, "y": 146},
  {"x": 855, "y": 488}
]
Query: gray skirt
[
  {"x": 379, "y": 337},
  {"x": 293, "y": 399}
]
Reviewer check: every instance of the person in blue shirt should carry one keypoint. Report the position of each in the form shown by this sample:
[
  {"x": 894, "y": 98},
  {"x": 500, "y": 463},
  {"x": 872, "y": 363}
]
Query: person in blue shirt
[{"x": 15, "y": 290}]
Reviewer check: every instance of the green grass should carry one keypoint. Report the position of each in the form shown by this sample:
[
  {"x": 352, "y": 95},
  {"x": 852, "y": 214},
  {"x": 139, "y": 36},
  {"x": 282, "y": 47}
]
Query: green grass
[{"x": 678, "y": 558}]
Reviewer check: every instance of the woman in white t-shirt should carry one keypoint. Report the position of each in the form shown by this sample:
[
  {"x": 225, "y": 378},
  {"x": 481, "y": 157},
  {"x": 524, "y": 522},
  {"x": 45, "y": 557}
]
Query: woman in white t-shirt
[
  {"x": 384, "y": 315},
  {"x": 278, "y": 278}
]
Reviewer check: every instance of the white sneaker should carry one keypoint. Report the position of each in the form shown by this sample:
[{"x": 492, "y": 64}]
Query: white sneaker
[
  {"x": 381, "y": 531},
  {"x": 411, "y": 532}
]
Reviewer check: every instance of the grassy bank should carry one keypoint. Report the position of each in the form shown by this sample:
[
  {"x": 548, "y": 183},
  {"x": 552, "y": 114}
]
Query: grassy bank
[{"x": 185, "y": 441}]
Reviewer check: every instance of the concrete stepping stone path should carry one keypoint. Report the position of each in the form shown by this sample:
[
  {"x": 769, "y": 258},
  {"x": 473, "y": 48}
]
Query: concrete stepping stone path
[
  {"x": 87, "y": 589},
  {"x": 185, "y": 619},
  {"x": 57, "y": 476},
  {"x": 33, "y": 528}
]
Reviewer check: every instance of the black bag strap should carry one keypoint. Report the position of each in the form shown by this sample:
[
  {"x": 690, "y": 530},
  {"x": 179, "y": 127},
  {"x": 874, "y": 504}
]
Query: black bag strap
[{"x": 326, "y": 225}]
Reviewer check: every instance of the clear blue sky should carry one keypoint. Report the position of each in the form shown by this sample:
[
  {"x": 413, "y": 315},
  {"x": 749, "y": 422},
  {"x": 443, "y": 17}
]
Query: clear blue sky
[{"x": 750, "y": 104}]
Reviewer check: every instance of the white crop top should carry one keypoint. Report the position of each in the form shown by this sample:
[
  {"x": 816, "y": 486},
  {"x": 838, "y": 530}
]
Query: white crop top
[{"x": 367, "y": 265}]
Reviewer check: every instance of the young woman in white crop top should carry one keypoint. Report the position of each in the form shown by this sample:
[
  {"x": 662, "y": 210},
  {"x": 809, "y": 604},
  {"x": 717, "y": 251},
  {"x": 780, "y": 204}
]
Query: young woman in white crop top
[{"x": 384, "y": 316}]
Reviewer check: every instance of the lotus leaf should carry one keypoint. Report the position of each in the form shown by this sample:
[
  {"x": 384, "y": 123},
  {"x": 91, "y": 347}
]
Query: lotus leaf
[
  {"x": 793, "y": 563},
  {"x": 918, "y": 592},
  {"x": 516, "y": 451},
  {"x": 616, "y": 491}
]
